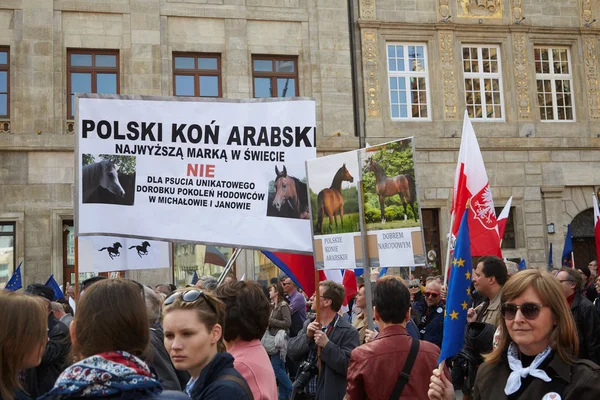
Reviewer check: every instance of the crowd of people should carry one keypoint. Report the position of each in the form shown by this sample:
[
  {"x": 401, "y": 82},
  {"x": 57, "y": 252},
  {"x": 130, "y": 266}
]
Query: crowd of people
[{"x": 531, "y": 334}]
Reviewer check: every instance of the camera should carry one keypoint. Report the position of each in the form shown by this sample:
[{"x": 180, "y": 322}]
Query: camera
[{"x": 306, "y": 371}]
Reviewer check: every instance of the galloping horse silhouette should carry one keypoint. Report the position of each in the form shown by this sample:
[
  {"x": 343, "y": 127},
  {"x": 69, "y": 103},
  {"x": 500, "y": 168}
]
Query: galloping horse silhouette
[
  {"x": 103, "y": 174},
  {"x": 113, "y": 251},
  {"x": 289, "y": 190},
  {"x": 331, "y": 202},
  {"x": 142, "y": 250},
  {"x": 403, "y": 185}
]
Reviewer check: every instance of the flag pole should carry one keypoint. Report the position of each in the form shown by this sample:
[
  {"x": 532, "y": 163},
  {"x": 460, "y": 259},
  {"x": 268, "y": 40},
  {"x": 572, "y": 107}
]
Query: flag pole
[
  {"x": 318, "y": 311},
  {"x": 76, "y": 267},
  {"x": 447, "y": 266},
  {"x": 572, "y": 259}
]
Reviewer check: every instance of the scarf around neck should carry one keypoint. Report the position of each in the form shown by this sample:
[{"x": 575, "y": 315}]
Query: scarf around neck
[
  {"x": 105, "y": 374},
  {"x": 513, "y": 384}
]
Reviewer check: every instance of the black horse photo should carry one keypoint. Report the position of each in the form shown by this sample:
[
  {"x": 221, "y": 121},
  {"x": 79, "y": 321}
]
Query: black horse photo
[
  {"x": 142, "y": 250},
  {"x": 113, "y": 251},
  {"x": 108, "y": 179},
  {"x": 289, "y": 198}
]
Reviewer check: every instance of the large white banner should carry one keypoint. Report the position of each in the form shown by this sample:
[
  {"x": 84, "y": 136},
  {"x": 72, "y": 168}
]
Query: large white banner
[
  {"x": 111, "y": 253},
  {"x": 216, "y": 172}
]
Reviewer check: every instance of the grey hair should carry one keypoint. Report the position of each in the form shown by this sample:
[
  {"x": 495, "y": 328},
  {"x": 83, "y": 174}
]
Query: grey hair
[
  {"x": 55, "y": 306},
  {"x": 511, "y": 267},
  {"x": 209, "y": 283},
  {"x": 153, "y": 305}
]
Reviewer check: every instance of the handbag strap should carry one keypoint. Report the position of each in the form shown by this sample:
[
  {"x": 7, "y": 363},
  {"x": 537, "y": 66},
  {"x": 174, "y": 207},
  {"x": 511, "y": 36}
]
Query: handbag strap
[
  {"x": 405, "y": 374},
  {"x": 240, "y": 382}
]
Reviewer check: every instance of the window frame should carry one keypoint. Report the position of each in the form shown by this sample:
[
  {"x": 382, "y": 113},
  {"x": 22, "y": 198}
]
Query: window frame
[
  {"x": 409, "y": 74},
  {"x": 12, "y": 234},
  {"x": 196, "y": 72},
  {"x": 274, "y": 75},
  {"x": 553, "y": 77},
  {"x": 481, "y": 76},
  {"x": 93, "y": 70},
  {"x": 7, "y": 69}
]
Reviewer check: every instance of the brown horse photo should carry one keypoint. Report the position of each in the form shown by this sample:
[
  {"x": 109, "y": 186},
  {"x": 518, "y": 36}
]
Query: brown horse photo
[
  {"x": 402, "y": 185},
  {"x": 291, "y": 197},
  {"x": 330, "y": 201}
]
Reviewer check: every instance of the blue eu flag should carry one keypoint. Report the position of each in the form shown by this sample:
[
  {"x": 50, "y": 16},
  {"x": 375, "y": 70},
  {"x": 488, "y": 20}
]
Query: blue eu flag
[
  {"x": 568, "y": 249},
  {"x": 459, "y": 292},
  {"x": 522, "y": 265},
  {"x": 15, "y": 282},
  {"x": 195, "y": 278},
  {"x": 52, "y": 284}
]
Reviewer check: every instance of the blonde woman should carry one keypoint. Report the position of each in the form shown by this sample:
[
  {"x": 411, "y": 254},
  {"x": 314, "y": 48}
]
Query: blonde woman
[{"x": 23, "y": 338}]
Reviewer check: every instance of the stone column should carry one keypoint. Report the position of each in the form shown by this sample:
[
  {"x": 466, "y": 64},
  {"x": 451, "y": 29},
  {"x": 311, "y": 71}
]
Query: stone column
[{"x": 554, "y": 212}]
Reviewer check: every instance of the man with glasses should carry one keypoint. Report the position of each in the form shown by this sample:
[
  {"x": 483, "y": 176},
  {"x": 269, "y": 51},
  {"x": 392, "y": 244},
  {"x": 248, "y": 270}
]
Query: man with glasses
[
  {"x": 335, "y": 337},
  {"x": 585, "y": 315},
  {"x": 297, "y": 305},
  {"x": 431, "y": 326}
]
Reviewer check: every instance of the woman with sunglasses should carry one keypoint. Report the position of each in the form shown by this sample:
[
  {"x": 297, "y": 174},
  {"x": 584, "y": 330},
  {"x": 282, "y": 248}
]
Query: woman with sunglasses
[
  {"x": 110, "y": 338},
  {"x": 535, "y": 354},
  {"x": 193, "y": 327}
]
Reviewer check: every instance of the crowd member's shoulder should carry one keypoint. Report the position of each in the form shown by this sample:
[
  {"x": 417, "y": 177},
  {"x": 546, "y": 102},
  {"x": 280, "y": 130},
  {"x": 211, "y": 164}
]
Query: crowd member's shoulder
[
  {"x": 171, "y": 395},
  {"x": 586, "y": 372}
]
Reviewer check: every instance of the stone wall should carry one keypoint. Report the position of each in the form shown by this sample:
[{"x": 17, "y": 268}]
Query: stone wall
[
  {"x": 536, "y": 162},
  {"x": 36, "y": 157}
]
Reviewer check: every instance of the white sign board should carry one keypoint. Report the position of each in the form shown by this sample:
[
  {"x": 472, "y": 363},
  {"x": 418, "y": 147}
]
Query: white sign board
[
  {"x": 216, "y": 172},
  {"x": 110, "y": 253}
]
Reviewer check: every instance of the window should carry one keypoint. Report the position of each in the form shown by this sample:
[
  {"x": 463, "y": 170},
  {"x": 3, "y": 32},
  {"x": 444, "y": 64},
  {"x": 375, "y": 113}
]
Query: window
[
  {"x": 4, "y": 83},
  {"x": 91, "y": 71},
  {"x": 554, "y": 82},
  {"x": 7, "y": 251},
  {"x": 409, "y": 81},
  {"x": 431, "y": 233},
  {"x": 275, "y": 76},
  {"x": 190, "y": 258},
  {"x": 509, "y": 238},
  {"x": 197, "y": 75},
  {"x": 483, "y": 82}
]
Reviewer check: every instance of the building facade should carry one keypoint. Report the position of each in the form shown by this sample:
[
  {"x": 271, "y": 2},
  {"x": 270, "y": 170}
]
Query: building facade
[
  {"x": 527, "y": 73},
  {"x": 51, "y": 49}
]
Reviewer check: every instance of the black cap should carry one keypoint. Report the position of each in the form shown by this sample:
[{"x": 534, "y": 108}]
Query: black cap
[{"x": 37, "y": 289}]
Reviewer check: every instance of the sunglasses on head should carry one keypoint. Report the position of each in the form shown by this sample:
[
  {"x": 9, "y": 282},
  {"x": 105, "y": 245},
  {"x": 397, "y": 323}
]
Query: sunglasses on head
[
  {"x": 530, "y": 311},
  {"x": 188, "y": 297},
  {"x": 431, "y": 294}
]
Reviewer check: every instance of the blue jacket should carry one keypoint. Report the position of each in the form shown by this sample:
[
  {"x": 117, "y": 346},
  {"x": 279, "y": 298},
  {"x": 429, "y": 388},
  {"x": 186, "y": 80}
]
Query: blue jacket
[
  {"x": 208, "y": 386},
  {"x": 432, "y": 325}
]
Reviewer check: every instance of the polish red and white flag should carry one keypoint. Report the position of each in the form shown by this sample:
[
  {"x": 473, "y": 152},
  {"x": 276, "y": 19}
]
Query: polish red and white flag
[
  {"x": 471, "y": 185},
  {"x": 503, "y": 218}
]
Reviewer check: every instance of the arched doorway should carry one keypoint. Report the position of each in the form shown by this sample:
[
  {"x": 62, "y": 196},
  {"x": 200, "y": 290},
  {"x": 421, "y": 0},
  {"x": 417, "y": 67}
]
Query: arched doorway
[{"x": 582, "y": 229}]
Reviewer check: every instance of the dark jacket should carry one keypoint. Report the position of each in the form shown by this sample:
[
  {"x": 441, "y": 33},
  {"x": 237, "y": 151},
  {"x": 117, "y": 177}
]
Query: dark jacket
[
  {"x": 166, "y": 395},
  {"x": 280, "y": 318},
  {"x": 577, "y": 382},
  {"x": 335, "y": 357},
  {"x": 590, "y": 291},
  {"x": 40, "y": 379},
  {"x": 161, "y": 364},
  {"x": 587, "y": 321},
  {"x": 431, "y": 326},
  {"x": 210, "y": 387},
  {"x": 375, "y": 367}
]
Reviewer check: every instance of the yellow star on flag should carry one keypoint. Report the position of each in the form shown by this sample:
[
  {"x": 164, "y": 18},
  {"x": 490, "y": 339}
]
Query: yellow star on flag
[
  {"x": 464, "y": 305},
  {"x": 454, "y": 315},
  {"x": 468, "y": 275},
  {"x": 469, "y": 291},
  {"x": 454, "y": 262},
  {"x": 461, "y": 263}
]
